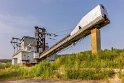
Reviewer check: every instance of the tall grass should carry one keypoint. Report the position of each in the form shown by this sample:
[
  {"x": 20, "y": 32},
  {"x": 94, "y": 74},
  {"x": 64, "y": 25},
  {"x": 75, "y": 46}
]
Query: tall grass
[
  {"x": 3, "y": 66},
  {"x": 104, "y": 59},
  {"x": 82, "y": 65},
  {"x": 44, "y": 69},
  {"x": 89, "y": 74}
]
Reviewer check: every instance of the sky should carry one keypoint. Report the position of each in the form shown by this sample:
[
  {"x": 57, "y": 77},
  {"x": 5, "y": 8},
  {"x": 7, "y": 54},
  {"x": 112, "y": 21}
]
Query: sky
[{"x": 18, "y": 18}]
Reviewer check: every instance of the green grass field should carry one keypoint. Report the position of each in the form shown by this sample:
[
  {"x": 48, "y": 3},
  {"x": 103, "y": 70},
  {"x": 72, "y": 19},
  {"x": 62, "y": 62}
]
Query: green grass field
[{"x": 84, "y": 66}]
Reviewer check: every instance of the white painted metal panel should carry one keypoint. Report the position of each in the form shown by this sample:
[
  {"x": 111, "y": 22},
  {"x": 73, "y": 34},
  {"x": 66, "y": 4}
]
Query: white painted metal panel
[
  {"x": 104, "y": 11},
  {"x": 18, "y": 56},
  {"x": 88, "y": 19},
  {"x": 36, "y": 55},
  {"x": 29, "y": 56},
  {"x": 23, "y": 56},
  {"x": 14, "y": 61}
]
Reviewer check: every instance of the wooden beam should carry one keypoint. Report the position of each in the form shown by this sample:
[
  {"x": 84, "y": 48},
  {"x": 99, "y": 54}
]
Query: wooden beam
[{"x": 95, "y": 40}]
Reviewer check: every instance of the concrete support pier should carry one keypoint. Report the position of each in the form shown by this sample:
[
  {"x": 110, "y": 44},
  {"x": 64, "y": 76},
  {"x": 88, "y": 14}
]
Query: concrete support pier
[{"x": 95, "y": 40}]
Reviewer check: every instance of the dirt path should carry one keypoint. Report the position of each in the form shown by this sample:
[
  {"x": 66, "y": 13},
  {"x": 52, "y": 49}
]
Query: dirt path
[
  {"x": 58, "y": 81},
  {"x": 48, "y": 81}
]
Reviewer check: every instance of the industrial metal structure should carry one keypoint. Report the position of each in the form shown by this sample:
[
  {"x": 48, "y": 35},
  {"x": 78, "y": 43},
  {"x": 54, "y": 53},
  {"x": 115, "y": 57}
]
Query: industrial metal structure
[
  {"x": 89, "y": 24},
  {"x": 95, "y": 19},
  {"x": 40, "y": 34},
  {"x": 15, "y": 43},
  {"x": 26, "y": 49}
]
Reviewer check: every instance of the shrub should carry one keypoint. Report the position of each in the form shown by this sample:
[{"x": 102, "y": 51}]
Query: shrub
[{"x": 89, "y": 74}]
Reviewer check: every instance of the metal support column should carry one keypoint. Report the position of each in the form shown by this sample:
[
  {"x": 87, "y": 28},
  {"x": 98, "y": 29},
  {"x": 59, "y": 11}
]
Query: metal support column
[{"x": 40, "y": 34}]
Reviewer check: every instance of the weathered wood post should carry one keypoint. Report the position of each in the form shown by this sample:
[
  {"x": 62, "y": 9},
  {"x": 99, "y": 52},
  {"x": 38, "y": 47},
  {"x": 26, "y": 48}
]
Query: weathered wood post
[{"x": 95, "y": 40}]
